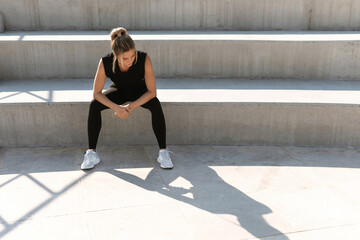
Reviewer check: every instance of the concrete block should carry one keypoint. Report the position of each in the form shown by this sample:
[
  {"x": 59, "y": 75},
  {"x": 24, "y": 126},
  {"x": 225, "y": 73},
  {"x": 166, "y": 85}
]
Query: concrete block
[
  {"x": 255, "y": 15},
  {"x": 244, "y": 124},
  {"x": 254, "y": 55},
  {"x": 265, "y": 113}
]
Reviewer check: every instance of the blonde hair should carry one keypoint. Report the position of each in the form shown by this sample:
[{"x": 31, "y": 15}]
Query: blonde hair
[{"x": 121, "y": 42}]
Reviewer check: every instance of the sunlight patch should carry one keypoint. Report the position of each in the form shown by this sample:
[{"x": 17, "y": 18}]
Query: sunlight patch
[
  {"x": 181, "y": 183},
  {"x": 184, "y": 185},
  {"x": 189, "y": 195}
]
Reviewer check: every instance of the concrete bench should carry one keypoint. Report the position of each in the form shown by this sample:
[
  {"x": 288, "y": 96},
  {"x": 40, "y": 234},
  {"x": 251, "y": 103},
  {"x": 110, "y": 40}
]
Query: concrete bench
[
  {"x": 54, "y": 112},
  {"x": 182, "y": 15},
  {"x": 250, "y": 55}
]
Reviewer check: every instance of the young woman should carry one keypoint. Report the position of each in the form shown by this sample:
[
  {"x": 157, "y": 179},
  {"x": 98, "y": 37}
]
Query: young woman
[{"x": 134, "y": 81}]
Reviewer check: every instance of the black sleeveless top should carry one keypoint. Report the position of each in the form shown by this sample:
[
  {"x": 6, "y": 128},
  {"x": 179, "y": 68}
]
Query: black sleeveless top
[{"x": 130, "y": 82}]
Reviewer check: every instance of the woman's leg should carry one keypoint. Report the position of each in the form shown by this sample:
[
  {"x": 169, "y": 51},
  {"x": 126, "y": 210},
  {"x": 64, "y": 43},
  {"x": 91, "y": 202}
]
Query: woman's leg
[
  {"x": 94, "y": 119},
  {"x": 158, "y": 121}
]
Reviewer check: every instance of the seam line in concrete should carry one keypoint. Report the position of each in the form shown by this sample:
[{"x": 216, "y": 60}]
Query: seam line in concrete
[
  {"x": 306, "y": 230},
  {"x": 83, "y": 204}
]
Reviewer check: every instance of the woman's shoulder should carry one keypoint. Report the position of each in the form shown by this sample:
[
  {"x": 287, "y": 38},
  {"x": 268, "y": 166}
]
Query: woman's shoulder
[
  {"x": 107, "y": 61},
  {"x": 108, "y": 57},
  {"x": 141, "y": 54}
]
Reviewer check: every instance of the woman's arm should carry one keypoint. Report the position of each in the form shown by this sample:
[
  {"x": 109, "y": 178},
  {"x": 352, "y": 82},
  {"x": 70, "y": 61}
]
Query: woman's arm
[
  {"x": 150, "y": 84},
  {"x": 99, "y": 83}
]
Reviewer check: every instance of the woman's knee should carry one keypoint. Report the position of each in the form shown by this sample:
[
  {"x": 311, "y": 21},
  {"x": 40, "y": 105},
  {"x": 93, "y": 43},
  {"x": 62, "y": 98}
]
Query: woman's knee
[
  {"x": 95, "y": 105},
  {"x": 153, "y": 104}
]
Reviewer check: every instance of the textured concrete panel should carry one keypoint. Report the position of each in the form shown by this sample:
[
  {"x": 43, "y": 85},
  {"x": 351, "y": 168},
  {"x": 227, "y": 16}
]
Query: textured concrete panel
[
  {"x": 212, "y": 111},
  {"x": 289, "y": 55},
  {"x": 2, "y": 24},
  {"x": 43, "y": 125},
  {"x": 182, "y": 14},
  {"x": 188, "y": 123},
  {"x": 198, "y": 111}
]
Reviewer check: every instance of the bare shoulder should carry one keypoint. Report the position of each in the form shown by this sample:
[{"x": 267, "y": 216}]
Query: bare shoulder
[
  {"x": 101, "y": 68},
  {"x": 148, "y": 61},
  {"x": 101, "y": 64}
]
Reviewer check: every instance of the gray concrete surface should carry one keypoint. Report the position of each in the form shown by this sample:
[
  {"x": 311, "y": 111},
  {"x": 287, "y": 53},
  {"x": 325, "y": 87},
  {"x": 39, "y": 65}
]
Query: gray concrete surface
[
  {"x": 182, "y": 14},
  {"x": 2, "y": 24},
  {"x": 197, "y": 111},
  {"x": 276, "y": 55},
  {"x": 213, "y": 192}
]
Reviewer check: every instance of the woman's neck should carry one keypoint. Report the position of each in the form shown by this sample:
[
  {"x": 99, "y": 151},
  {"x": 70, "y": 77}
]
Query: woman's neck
[{"x": 123, "y": 69}]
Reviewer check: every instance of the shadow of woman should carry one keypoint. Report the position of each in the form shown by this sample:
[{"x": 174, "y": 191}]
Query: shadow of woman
[{"x": 209, "y": 192}]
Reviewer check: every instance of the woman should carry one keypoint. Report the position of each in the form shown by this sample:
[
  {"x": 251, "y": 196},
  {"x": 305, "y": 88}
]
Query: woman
[{"x": 134, "y": 81}]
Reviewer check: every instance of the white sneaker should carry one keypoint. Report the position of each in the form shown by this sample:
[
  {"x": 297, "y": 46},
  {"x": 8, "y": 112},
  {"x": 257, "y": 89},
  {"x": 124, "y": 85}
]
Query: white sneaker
[
  {"x": 91, "y": 158},
  {"x": 164, "y": 159}
]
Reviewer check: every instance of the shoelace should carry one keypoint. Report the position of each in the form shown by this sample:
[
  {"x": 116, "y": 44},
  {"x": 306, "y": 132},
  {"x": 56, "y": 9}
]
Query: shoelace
[
  {"x": 167, "y": 152},
  {"x": 91, "y": 156}
]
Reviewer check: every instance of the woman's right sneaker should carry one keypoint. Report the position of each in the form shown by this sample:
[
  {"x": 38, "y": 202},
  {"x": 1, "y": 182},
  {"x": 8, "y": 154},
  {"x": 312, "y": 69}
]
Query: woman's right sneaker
[{"x": 91, "y": 158}]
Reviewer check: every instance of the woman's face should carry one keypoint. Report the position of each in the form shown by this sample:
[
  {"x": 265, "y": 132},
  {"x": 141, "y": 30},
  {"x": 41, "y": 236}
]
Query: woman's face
[{"x": 128, "y": 58}]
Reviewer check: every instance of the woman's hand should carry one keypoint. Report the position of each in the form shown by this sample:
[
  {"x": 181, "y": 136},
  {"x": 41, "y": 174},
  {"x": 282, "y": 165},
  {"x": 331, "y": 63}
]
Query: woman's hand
[
  {"x": 122, "y": 112},
  {"x": 129, "y": 107}
]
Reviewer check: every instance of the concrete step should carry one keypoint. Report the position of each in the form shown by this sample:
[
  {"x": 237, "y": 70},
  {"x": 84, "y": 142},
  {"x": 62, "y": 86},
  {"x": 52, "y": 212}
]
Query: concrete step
[
  {"x": 267, "y": 55},
  {"x": 182, "y": 15},
  {"x": 197, "y": 111}
]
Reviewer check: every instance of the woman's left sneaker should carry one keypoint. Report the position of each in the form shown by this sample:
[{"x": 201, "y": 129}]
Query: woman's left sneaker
[{"x": 164, "y": 159}]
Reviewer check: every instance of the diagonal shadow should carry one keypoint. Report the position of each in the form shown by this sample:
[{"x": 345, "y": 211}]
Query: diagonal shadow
[
  {"x": 39, "y": 184},
  {"x": 210, "y": 193},
  {"x": 11, "y": 95},
  {"x": 54, "y": 195},
  {"x": 32, "y": 94},
  {"x": 10, "y": 180},
  {"x": 37, "y": 96},
  {"x": 3, "y": 222}
]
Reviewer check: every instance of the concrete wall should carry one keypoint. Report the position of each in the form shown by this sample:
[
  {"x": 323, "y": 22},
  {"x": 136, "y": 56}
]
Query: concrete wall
[
  {"x": 264, "y": 124},
  {"x": 182, "y": 14},
  {"x": 335, "y": 59},
  {"x": 2, "y": 25}
]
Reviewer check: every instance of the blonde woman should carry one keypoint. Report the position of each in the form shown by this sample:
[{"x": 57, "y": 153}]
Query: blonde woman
[{"x": 133, "y": 81}]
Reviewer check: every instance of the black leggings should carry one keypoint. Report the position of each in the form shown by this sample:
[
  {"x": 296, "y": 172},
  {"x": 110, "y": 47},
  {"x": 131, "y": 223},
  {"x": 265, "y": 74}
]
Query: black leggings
[{"x": 113, "y": 94}]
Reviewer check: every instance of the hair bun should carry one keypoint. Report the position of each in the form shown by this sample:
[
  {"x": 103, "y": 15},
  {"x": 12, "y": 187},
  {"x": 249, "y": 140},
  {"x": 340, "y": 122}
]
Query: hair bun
[
  {"x": 123, "y": 32},
  {"x": 118, "y": 32}
]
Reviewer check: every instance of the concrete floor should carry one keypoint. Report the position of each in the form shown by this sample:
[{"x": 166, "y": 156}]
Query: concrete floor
[{"x": 213, "y": 192}]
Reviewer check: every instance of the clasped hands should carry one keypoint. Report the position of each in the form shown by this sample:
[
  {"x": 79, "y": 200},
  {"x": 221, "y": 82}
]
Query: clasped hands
[{"x": 123, "y": 111}]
